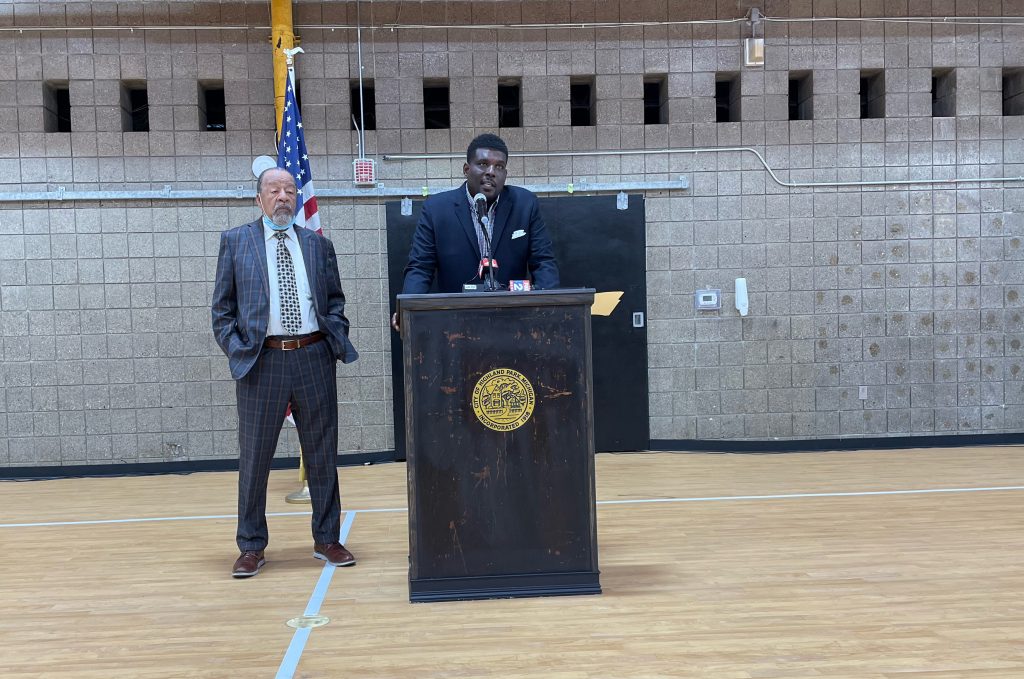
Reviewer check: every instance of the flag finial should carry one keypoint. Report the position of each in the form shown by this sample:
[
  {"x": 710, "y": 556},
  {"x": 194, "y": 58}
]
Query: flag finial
[{"x": 289, "y": 54}]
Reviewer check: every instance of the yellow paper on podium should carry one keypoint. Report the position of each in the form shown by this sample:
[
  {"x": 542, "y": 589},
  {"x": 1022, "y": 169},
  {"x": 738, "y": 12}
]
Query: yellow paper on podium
[{"x": 605, "y": 303}]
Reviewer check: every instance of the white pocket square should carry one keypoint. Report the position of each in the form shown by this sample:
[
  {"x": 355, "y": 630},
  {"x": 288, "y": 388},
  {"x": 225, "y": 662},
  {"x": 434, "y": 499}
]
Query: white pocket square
[{"x": 518, "y": 233}]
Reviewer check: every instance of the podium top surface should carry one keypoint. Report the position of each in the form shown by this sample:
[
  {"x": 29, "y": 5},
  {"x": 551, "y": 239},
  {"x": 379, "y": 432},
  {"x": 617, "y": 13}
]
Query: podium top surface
[{"x": 502, "y": 298}]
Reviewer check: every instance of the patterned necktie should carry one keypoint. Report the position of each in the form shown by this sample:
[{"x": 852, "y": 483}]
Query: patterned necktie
[{"x": 291, "y": 314}]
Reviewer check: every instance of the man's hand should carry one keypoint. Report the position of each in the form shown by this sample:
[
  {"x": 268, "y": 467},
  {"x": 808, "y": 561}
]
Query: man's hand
[{"x": 394, "y": 322}]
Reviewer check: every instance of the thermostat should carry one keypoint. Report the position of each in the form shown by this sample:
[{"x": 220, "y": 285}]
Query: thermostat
[{"x": 708, "y": 300}]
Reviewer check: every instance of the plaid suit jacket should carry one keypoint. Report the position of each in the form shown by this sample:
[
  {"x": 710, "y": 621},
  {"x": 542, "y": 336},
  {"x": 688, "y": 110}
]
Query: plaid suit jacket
[{"x": 241, "y": 295}]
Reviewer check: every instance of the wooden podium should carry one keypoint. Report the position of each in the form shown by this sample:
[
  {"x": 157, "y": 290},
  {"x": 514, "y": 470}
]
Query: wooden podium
[{"x": 499, "y": 444}]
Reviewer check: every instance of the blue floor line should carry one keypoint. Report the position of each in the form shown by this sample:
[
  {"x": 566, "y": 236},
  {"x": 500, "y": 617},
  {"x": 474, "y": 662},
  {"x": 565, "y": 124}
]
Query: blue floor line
[
  {"x": 293, "y": 654},
  {"x": 298, "y": 644}
]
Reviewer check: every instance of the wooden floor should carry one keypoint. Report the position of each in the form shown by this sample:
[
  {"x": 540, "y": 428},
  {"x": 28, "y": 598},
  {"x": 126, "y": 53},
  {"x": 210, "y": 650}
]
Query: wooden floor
[{"x": 722, "y": 578}]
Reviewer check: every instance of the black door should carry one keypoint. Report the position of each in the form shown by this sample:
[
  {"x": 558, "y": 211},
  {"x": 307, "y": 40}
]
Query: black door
[{"x": 597, "y": 246}]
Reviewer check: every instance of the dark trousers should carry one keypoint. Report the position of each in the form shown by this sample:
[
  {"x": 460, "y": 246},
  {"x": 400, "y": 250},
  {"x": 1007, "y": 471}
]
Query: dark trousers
[{"x": 306, "y": 378}]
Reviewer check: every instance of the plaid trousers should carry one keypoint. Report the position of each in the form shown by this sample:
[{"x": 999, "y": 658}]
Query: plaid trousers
[{"x": 306, "y": 378}]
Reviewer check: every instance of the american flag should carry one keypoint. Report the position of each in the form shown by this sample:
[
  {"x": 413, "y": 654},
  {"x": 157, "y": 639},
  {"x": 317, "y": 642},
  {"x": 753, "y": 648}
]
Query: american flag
[{"x": 292, "y": 156}]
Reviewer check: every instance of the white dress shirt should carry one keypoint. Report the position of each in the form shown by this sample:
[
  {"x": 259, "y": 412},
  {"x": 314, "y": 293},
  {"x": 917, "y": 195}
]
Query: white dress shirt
[{"x": 309, "y": 323}]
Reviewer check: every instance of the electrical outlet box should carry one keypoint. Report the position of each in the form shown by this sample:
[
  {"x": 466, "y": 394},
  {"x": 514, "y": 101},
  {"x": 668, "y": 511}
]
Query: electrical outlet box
[
  {"x": 863, "y": 394},
  {"x": 707, "y": 300}
]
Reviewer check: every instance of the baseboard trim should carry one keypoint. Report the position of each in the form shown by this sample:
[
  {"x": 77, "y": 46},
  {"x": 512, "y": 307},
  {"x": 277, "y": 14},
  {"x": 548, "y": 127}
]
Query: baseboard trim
[
  {"x": 843, "y": 444},
  {"x": 39, "y": 473}
]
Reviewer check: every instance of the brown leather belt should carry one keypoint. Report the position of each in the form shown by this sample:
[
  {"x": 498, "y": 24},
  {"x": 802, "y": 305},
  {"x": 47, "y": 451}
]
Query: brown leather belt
[{"x": 292, "y": 343}]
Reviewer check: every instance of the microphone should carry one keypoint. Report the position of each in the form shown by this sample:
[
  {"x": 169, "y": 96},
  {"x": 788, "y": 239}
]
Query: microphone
[{"x": 480, "y": 204}]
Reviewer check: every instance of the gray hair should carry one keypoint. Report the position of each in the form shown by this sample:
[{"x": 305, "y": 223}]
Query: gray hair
[{"x": 259, "y": 180}]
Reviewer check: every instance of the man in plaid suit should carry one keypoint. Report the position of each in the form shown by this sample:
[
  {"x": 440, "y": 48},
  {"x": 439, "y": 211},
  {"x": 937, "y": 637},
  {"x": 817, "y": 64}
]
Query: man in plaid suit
[{"x": 279, "y": 316}]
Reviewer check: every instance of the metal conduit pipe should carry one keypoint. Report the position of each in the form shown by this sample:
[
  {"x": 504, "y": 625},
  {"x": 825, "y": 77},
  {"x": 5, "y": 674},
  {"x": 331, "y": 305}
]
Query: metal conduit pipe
[
  {"x": 958, "y": 21},
  {"x": 344, "y": 27},
  {"x": 742, "y": 149},
  {"x": 944, "y": 20},
  {"x": 377, "y": 192},
  {"x": 383, "y": 191}
]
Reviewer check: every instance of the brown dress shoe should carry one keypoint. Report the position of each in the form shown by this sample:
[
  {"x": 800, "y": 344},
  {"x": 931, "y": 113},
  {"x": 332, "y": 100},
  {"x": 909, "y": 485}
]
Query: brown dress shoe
[
  {"x": 334, "y": 554},
  {"x": 248, "y": 564}
]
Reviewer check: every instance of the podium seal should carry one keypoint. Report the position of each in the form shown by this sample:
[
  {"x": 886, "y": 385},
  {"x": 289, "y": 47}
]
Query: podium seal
[{"x": 503, "y": 399}]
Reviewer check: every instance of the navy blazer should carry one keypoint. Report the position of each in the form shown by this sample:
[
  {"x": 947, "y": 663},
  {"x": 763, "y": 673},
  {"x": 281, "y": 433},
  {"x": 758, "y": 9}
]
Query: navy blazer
[
  {"x": 445, "y": 243},
  {"x": 241, "y": 295}
]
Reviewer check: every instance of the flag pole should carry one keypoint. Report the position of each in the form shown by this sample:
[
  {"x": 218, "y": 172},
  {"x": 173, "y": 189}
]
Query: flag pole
[
  {"x": 282, "y": 39},
  {"x": 301, "y": 496}
]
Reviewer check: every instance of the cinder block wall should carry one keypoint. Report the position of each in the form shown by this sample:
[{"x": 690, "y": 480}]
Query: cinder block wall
[{"x": 914, "y": 292}]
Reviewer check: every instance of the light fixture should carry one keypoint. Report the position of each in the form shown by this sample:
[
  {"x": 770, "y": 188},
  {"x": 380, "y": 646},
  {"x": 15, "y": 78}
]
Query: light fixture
[{"x": 753, "y": 47}]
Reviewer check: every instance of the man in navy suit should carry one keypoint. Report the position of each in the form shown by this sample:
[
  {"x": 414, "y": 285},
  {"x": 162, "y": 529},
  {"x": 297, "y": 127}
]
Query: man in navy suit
[
  {"x": 279, "y": 316},
  {"x": 449, "y": 241}
]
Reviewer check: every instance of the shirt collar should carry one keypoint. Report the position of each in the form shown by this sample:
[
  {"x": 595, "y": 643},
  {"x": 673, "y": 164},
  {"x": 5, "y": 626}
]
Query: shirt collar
[{"x": 472, "y": 205}]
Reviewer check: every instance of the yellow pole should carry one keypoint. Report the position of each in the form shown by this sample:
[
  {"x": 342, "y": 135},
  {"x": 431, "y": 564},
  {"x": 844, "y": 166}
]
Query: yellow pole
[
  {"x": 283, "y": 38},
  {"x": 301, "y": 496}
]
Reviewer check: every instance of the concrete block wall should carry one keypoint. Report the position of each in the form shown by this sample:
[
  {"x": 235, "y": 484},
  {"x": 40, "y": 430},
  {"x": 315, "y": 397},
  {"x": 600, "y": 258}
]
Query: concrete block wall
[{"x": 912, "y": 291}]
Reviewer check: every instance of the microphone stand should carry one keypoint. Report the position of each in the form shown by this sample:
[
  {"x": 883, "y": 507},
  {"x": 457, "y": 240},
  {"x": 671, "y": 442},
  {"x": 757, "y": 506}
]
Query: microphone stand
[{"x": 492, "y": 285}]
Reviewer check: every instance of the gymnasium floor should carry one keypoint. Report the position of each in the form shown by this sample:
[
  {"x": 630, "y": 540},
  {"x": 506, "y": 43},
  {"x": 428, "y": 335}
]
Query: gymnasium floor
[{"x": 873, "y": 564}]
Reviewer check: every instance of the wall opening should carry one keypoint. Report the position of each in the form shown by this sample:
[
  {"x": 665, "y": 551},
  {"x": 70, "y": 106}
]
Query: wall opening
[
  {"x": 437, "y": 107},
  {"x": 56, "y": 106},
  {"x": 801, "y": 95},
  {"x": 943, "y": 93},
  {"x": 1013, "y": 91},
  {"x": 212, "y": 114},
  {"x": 656, "y": 100},
  {"x": 369, "y": 108},
  {"x": 581, "y": 102},
  {"x": 510, "y": 102},
  {"x": 872, "y": 94},
  {"x": 134, "y": 106},
  {"x": 727, "y": 97}
]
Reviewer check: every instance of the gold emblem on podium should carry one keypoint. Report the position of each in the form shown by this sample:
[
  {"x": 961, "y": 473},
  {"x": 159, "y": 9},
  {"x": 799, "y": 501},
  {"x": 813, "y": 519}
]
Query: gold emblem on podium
[{"x": 503, "y": 399}]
